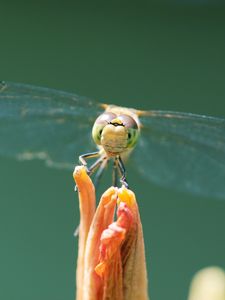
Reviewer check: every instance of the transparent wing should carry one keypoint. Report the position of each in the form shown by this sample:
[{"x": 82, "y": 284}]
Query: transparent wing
[
  {"x": 183, "y": 151},
  {"x": 44, "y": 123}
]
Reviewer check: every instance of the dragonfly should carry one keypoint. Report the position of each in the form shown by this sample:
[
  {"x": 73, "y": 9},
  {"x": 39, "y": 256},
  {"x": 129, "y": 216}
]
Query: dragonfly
[{"x": 181, "y": 150}]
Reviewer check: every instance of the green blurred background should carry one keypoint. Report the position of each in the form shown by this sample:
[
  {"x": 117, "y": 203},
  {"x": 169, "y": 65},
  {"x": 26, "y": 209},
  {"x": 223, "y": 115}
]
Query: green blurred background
[{"x": 146, "y": 54}]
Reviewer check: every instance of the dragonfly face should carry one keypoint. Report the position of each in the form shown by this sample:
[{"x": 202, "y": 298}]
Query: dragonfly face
[
  {"x": 117, "y": 134},
  {"x": 175, "y": 149}
]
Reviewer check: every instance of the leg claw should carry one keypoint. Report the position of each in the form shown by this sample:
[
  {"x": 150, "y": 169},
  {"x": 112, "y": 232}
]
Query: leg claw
[{"x": 124, "y": 182}]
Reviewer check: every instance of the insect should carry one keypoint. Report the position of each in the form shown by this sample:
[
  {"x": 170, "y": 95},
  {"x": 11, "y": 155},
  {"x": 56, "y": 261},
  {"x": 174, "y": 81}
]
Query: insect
[
  {"x": 116, "y": 133},
  {"x": 180, "y": 150}
]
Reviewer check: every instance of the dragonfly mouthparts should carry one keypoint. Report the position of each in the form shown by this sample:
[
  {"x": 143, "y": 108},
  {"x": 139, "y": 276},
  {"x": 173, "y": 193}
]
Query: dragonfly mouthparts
[{"x": 116, "y": 124}]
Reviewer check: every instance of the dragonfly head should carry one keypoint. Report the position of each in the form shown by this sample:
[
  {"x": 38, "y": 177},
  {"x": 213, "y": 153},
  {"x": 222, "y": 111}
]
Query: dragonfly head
[{"x": 115, "y": 134}]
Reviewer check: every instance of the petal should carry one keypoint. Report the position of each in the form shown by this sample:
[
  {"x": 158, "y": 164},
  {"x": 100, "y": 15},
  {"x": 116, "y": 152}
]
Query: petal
[
  {"x": 111, "y": 260},
  {"x": 121, "y": 266},
  {"x": 86, "y": 192},
  {"x": 134, "y": 265},
  {"x": 91, "y": 226},
  {"x": 102, "y": 218}
]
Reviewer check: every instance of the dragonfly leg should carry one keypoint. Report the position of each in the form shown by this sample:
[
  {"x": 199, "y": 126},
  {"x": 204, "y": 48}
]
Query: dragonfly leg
[
  {"x": 122, "y": 170},
  {"x": 100, "y": 172},
  {"x": 83, "y": 157},
  {"x": 96, "y": 165},
  {"x": 115, "y": 172},
  {"x": 82, "y": 160},
  {"x": 100, "y": 162}
]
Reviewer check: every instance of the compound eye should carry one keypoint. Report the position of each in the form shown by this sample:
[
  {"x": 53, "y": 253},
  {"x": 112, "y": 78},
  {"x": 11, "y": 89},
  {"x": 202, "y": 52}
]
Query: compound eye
[
  {"x": 105, "y": 118},
  {"x": 132, "y": 130},
  {"x": 128, "y": 121},
  {"x": 99, "y": 124}
]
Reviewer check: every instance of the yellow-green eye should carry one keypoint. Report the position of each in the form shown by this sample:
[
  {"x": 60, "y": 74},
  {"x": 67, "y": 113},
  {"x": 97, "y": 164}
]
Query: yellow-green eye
[
  {"x": 132, "y": 130},
  {"x": 133, "y": 135},
  {"x": 99, "y": 124}
]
